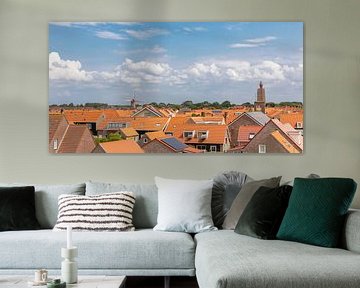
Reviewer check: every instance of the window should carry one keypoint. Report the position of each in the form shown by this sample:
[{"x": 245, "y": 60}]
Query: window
[
  {"x": 145, "y": 140},
  {"x": 203, "y": 134},
  {"x": 201, "y": 147},
  {"x": 55, "y": 144},
  {"x": 188, "y": 134},
  {"x": 299, "y": 125},
  {"x": 169, "y": 133},
  {"x": 262, "y": 148},
  {"x": 116, "y": 125},
  {"x": 251, "y": 135},
  {"x": 213, "y": 148}
]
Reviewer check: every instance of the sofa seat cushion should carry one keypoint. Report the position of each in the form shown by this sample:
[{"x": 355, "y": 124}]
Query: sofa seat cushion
[
  {"x": 142, "y": 249},
  {"x": 226, "y": 259}
]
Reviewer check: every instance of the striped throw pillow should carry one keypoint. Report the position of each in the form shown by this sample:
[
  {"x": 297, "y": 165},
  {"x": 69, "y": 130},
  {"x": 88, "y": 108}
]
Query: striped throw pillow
[{"x": 105, "y": 212}]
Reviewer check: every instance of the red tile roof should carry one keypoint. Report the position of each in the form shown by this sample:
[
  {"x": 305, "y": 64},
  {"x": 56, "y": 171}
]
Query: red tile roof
[
  {"x": 284, "y": 142},
  {"x": 245, "y": 131},
  {"x": 73, "y": 139},
  {"x": 293, "y": 134},
  {"x": 156, "y": 134},
  {"x": 291, "y": 118},
  {"x": 129, "y": 132},
  {"x": 125, "y": 112},
  {"x": 121, "y": 146},
  {"x": 149, "y": 123},
  {"x": 73, "y": 116},
  {"x": 215, "y": 120},
  {"x": 216, "y": 133},
  {"x": 54, "y": 122}
]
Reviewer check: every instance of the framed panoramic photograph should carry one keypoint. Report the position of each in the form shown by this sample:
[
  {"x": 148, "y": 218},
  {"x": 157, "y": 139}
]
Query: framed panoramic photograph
[{"x": 176, "y": 87}]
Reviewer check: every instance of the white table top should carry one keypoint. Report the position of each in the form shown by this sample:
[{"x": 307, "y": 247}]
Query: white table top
[{"x": 84, "y": 281}]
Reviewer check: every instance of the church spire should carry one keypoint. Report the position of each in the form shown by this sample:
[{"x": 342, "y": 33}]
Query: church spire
[{"x": 260, "y": 102}]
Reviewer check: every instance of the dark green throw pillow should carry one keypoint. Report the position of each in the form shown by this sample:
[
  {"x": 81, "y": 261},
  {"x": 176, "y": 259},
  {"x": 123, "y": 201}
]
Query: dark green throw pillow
[
  {"x": 17, "y": 209},
  {"x": 316, "y": 211},
  {"x": 263, "y": 214}
]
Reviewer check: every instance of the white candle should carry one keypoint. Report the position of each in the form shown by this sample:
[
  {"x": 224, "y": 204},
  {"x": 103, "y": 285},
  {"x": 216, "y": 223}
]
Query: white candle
[{"x": 69, "y": 237}]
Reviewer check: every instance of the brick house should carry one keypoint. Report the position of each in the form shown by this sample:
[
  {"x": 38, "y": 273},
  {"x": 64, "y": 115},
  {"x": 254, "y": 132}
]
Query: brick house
[
  {"x": 69, "y": 138},
  {"x": 245, "y": 119},
  {"x": 209, "y": 138},
  {"x": 90, "y": 118},
  {"x": 168, "y": 145},
  {"x": 129, "y": 134},
  {"x": 149, "y": 136},
  {"x": 275, "y": 137}
]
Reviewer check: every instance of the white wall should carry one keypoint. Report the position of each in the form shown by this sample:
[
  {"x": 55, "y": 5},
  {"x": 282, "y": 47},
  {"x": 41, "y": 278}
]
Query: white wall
[{"x": 332, "y": 90}]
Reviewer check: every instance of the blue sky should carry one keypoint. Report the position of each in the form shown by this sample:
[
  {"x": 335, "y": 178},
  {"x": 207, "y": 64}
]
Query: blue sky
[{"x": 172, "y": 62}]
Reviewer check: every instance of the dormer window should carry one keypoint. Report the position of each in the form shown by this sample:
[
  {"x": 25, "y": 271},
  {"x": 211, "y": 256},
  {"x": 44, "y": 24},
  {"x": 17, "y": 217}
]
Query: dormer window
[
  {"x": 299, "y": 125},
  {"x": 203, "y": 134},
  {"x": 251, "y": 136},
  {"x": 116, "y": 125},
  {"x": 189, "y": 134}
]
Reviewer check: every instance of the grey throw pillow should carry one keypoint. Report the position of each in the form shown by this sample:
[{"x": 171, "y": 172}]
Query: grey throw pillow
[
  {"x": 226, "y": 187},
  {"x": 242, "y": 199},
  {"x": 46, "y": 200},
  {"x": 184, "y": 205}
]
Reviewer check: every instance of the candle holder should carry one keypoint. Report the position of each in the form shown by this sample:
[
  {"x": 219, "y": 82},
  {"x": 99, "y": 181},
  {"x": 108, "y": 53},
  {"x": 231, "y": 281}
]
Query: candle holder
[{"x": 69, "y": 271}]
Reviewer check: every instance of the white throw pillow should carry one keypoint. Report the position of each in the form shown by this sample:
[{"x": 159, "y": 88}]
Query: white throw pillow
[
  {"x": 184, "y": 205},
  {"x": 105, "y": 212}
]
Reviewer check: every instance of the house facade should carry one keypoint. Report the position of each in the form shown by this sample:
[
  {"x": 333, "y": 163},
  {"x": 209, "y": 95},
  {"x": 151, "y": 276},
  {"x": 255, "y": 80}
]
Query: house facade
[
  {"x": 245, "y": 119},
  {"x": 275, "y": 137}
]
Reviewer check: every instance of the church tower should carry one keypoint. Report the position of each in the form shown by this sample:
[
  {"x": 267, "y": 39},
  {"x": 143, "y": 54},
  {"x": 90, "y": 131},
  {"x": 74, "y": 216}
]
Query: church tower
[{"x": 260, "y": 99}]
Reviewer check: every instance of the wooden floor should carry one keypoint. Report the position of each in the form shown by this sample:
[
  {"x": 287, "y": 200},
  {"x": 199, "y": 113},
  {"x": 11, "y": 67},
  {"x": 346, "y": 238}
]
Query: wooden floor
[{"x": 158, "y": 282}]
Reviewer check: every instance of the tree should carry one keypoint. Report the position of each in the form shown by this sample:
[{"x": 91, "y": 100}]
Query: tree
[
  {"x": 226, "y": 104},
  {"x": 111, "y": 137}
]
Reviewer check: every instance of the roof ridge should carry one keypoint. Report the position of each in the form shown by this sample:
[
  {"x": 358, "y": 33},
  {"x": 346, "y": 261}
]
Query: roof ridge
[{"x": 62, "y": 138}]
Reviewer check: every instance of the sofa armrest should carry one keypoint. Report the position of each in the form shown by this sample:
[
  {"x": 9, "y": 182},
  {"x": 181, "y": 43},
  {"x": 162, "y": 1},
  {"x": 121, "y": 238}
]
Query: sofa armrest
[{"x": 351, "y": 234}]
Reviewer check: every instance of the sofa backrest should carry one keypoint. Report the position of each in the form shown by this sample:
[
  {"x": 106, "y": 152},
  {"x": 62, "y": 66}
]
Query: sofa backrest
[
  {"x": 46, "y": 200},
  {"x": 146, "y": 203}
]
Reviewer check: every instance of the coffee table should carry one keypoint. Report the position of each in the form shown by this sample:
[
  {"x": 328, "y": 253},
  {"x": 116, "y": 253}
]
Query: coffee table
[{"x": 83, "y": 282}]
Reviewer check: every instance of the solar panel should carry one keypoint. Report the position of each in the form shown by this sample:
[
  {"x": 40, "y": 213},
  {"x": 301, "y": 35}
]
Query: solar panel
[{"x": 174, "y": 143}]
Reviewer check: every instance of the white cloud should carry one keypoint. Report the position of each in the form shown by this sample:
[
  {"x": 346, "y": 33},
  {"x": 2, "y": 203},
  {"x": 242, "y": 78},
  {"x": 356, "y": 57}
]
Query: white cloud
[
  {"x": 66, "y": 69},
  {"x": 145, "y": 34},
  {"x": 255, "y": 42},
  {"x": 194, "y": 29},
  {"x": 236, "y": 70},
  {"x": 243, "y": 45},
  {"x": 137, "y": 73},
  {"x": 157, "y": 49},
  {"x": 268, "y": 70},
  {"x": 109, "y": 35},
  {"x": 261, "y": 40},
  {"x": 203, "y": 70}
]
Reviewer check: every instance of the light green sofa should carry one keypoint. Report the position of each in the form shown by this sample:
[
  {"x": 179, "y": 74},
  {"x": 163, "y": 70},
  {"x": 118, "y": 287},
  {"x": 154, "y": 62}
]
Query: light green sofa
[{"x": 220, "y": 259}]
